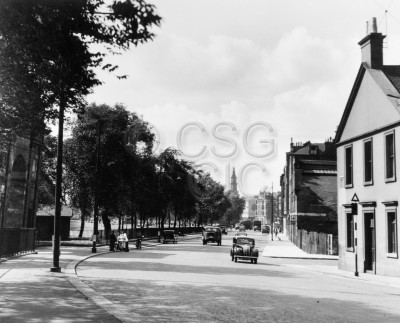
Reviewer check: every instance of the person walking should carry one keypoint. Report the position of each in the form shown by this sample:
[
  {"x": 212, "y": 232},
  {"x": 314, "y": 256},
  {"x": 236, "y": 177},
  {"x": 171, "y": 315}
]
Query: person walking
[{"x": 113, "y": 240}]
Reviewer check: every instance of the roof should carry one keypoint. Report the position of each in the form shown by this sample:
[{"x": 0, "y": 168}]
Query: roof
[
  {"x": 318, "y": 194},
  {"x": 392, "y": 72},
  {"x": 388, "y": 79}
]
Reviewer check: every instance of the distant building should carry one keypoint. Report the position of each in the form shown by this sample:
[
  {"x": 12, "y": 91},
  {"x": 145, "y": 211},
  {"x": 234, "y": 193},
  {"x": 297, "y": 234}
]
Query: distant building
[
  {"x": 309, "y": 196},
  {"x": 368, "y": 142}
]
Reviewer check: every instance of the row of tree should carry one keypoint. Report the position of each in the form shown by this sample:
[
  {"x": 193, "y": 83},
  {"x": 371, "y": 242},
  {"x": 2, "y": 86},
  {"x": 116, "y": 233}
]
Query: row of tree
[{"x": 109, "y": 161}]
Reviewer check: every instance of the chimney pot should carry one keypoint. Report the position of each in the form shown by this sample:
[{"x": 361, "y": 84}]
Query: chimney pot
[
  {"x": 374, "y": 26},
  {"x": 372, "y": 47}
]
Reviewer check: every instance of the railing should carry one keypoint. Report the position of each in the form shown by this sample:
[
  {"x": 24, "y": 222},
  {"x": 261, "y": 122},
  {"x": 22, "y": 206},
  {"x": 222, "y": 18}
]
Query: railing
[
  {"x": 146, "y": 232},
  {"x": 14, "y": 241}
]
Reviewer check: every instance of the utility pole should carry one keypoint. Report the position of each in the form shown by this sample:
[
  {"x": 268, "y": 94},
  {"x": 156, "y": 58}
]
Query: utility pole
[{"x": 272, "y": 212}]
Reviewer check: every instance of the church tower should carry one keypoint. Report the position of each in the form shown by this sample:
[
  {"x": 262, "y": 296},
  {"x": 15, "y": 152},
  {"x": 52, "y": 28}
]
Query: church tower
[{"x": 234, "y": 182}]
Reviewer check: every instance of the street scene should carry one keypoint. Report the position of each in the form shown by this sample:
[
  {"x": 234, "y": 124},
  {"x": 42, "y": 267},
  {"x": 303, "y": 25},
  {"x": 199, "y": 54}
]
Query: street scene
[
  {"x": 192, "y": 282},
  {"x": 199, "y": 161}
]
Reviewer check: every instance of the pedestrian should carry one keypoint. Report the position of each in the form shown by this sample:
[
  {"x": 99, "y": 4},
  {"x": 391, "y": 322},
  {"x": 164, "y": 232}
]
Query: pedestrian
[
  {"x": 276, "y": 232},
  {"x": 121, "y": 241},
  {"x": 113, "y": 240},
  {"x": 126, "y": 242}
]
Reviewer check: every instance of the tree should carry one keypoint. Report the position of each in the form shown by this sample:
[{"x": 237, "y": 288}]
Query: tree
[
  {"x": 49, "y": 42},
  {"x": 234, "y": 213},
  {"x": 213, "y": 203},
  {"x": 47, "y": 172},
  {"x": 109, "y": 178}
]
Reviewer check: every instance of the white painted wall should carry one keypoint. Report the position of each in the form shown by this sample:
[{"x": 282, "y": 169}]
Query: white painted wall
[{"x": 378, "y": 192}]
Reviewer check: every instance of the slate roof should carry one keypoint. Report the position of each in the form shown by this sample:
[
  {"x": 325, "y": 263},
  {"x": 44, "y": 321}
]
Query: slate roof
[
  {"x": 392, "y": 72},
  {"x": 320, "y": 194}
]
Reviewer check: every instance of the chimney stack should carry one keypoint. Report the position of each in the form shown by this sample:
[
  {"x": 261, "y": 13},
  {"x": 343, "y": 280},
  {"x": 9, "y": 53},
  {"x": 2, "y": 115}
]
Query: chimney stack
[{"x": 372, "y": 47}]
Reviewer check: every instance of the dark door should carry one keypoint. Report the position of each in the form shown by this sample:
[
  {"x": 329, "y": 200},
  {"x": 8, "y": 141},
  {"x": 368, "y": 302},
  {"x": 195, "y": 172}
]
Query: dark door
[{"x": 369, "y": 231}]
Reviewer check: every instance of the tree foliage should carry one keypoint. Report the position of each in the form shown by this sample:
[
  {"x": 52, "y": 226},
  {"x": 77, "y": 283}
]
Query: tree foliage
[{"x": 47, "y": 57}]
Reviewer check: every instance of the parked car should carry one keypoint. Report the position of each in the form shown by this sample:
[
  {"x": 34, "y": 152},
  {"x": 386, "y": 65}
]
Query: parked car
[
  {"x": 169, "y": 236},
  {"x": 223, "y": 229},
  {"x": 212, "y": 234},
  {"x": 257, "y": 228},
  {"x": 243, "y": 247}
]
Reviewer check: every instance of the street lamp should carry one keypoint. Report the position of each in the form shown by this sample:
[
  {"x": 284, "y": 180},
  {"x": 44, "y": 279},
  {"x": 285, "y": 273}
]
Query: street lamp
[{"x": 96, "y": 191}]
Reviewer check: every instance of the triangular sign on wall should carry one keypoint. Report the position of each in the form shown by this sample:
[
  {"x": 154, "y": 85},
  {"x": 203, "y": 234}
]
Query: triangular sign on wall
[{"x": 355, "y": 198}]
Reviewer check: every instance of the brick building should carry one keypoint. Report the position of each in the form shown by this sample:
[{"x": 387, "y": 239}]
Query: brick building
[{"x": 309, "y": 196}]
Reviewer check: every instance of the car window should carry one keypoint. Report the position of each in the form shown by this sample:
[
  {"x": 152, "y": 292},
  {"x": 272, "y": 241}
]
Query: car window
[{"x": 245, "y": 241}]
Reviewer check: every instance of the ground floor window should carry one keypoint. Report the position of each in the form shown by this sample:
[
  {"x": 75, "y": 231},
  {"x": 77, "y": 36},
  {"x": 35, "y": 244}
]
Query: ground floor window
[
  {"x": 391, "y": 232},
  {"x": 350, "y": 231}
]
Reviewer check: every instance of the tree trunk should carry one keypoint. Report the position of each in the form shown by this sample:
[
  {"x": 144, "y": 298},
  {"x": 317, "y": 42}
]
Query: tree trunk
[
  {"x": 107, "y": 224},
  {"x": 83, "y": 218}
]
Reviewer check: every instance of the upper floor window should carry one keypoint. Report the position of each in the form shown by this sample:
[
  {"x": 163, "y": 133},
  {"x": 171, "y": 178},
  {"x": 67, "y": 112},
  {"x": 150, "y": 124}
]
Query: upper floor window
[
  {"x": 368, "y": 162},
  {"x": 348, "y": 152},
  {"x": 390, "y": 162}
]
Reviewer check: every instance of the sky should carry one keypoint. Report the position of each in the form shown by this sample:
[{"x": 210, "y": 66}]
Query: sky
[{"x": 230, "y": 83}]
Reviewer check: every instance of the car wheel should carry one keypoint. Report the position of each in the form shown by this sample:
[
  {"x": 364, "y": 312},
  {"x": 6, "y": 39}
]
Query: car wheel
[
  {"x": 255, "y": 261},
  {"x": 251, "y": 260},
  {"x": 235, "y": 259},
  {"x": 204, "y": 242}
]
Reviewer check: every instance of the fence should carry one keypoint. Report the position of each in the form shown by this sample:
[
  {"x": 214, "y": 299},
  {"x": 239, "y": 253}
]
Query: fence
[
  {"x": 316, "y": 242},
  {"x": 14, "y": 241},
  {"x": 132, "y": 234}
]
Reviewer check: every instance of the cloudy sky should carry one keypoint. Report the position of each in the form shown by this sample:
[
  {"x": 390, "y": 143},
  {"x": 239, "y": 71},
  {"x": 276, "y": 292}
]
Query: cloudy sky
[{"x": 257, "y": 73}]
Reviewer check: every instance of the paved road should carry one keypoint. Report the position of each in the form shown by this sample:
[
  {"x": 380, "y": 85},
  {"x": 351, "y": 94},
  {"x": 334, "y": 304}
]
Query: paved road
[{"x": 189, "y": 282}]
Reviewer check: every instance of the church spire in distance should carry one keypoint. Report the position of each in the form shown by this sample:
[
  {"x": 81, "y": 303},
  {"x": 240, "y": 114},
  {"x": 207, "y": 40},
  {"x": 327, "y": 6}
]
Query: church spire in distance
[{"x": 234, "y": 182}]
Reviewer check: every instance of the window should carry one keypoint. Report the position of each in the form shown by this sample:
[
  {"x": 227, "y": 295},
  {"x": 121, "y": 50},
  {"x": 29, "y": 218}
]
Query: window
[
  {"x": 350, "y": 231},
  {"x": 368, "y": 162},
  {"x": 391, "y": 232},
  {"x": 390, "y": 169},
  {"x": 348, "y": 151}
]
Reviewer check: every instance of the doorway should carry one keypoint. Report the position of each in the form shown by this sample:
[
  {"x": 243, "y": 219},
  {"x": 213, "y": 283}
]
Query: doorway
[{"x": 369, "y": 243}]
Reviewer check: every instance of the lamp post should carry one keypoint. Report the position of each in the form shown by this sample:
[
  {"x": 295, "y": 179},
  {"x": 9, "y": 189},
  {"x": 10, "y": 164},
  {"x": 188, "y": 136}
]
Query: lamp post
[
  {"x": 272, "y": 212},
  {"x": 96, "y": 191},
  {"x": 57, "y": 216}
]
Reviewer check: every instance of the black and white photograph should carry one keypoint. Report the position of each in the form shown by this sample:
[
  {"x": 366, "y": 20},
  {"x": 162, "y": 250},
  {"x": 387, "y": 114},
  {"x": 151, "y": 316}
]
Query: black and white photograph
[{"x": 199, "y": 161}]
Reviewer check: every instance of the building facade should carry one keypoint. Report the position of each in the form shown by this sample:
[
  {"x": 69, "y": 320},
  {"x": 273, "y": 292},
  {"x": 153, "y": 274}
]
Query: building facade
[
  {"x": 368, "y": 139},
  {"x": 18, "y": 188},
  {"x": 309, "y": 196}
]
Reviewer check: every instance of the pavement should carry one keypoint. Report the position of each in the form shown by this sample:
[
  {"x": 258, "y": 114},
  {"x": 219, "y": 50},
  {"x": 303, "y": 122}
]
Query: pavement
[
  {"x": 282, "y": 247},
  {"x": 31, "y": 293}
]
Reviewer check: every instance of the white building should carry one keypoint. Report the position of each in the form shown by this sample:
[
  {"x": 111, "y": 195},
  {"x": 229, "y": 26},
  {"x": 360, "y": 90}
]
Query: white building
[{"x": 368, "y": 139}]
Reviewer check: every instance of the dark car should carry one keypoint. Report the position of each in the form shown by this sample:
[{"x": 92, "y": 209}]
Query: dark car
[
  {"x": 212, "y": 234},
  {"x": 243, "y": 247},
  {"x": 169, "y": 236},
  {"x": 223, "y": 229},
  {"x": 265, "y": 229},
  {"x": 257, "y": 228}
]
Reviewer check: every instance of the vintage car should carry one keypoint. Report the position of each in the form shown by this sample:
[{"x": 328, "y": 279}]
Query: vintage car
[
  {"x": 265, "y": 229},
  {"x": 256, "y": 228},
  {"x": 223, "y": 229},
  {"x": 240, "y": 234},
  {"x": 243, "y": 247},
  {"x": 212, "y": 234},
  {"x": 169, "y": 236}
]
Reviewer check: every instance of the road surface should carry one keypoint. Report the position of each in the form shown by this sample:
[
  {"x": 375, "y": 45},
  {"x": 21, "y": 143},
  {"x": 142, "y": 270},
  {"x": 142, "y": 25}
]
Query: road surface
[{"x": 189, "y": 282}]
